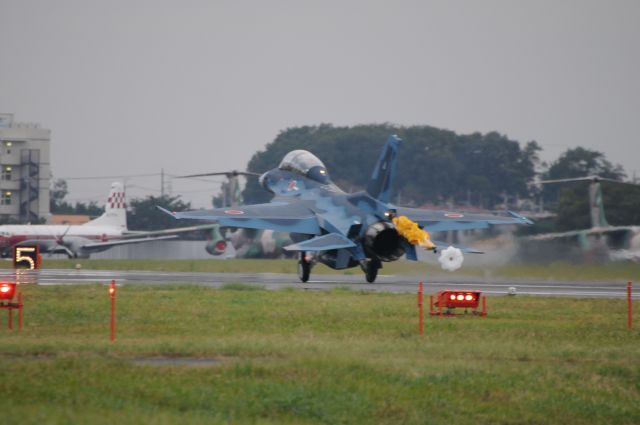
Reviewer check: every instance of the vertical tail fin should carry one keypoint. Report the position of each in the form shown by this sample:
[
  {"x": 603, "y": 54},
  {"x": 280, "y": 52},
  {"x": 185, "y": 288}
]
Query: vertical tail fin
[
  {"x": 598, "y": 219},
  {"x": 115, "y": 212},
  {"x": 380, "y": 185}
]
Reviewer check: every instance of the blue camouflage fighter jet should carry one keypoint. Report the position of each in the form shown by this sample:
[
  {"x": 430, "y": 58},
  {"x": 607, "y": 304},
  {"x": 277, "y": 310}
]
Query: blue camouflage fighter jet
[{"x": 336, "y": 228}]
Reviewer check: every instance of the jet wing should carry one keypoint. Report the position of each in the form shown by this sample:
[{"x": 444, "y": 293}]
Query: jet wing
[
  {"x": 586, "y": 232},
  {"x": 439, "y": 221},
  {"x": 174, "y": 231},
  {"x": 277, "y": 216},
  {"x": 101, "y": 245},
  {"x": 322, "y": 243}
]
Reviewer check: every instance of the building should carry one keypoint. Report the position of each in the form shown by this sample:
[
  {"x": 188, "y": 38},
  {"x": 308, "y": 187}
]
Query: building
[
  {"x": 74, "y": 219},
  {"x": 24, "y": 170}
]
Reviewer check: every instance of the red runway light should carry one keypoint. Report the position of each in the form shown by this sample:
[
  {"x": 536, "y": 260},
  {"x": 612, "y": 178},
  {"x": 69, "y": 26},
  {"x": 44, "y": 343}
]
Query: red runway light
[
  {"x": 7, "y": 290},
  {"x": 452, "y": 299}
]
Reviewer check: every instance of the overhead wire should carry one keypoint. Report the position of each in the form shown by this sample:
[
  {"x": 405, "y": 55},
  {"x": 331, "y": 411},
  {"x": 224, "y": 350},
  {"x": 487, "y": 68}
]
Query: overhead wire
[{"x": 122, "y": 176}]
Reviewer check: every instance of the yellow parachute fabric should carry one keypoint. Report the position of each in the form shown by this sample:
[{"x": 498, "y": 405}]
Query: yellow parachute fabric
[{"x": 411, "y": 232}]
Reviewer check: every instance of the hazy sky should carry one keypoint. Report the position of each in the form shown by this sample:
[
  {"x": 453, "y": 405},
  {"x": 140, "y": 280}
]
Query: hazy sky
[{"x": 130, "y": 87}]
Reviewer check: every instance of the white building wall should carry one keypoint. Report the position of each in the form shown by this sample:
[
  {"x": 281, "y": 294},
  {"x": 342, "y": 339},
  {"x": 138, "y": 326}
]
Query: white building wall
[{"x": 14, "y": 137}]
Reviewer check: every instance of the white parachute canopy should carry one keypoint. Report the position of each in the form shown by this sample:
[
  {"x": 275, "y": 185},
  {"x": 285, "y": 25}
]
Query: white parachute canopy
[{"x": 451, "y": 259}]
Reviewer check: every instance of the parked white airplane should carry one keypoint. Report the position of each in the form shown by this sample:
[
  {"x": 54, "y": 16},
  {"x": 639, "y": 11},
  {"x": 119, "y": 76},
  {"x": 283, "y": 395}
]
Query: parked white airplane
[{"x": 79, "y": 241}]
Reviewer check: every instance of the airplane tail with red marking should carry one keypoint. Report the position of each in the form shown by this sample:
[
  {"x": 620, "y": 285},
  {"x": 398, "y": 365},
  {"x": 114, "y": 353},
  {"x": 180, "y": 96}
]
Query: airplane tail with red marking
[{"x": 115, "y": 210}]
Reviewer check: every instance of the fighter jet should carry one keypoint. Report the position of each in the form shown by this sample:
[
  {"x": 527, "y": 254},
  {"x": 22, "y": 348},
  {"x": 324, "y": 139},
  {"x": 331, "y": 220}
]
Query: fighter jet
[{"x": 339, "y": 229}]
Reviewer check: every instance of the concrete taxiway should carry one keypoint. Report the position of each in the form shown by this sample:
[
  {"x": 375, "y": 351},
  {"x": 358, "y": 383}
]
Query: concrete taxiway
[{"x": 385, "y": 283}]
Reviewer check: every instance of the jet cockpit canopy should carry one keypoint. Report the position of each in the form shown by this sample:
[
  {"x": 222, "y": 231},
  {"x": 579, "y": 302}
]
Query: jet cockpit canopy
[{"x": 305, "y": 163}]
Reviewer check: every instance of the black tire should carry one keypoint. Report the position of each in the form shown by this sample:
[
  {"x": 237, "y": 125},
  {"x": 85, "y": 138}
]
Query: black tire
[
  {"x": 372, "y": 271},
  {"x": 304, "y": 269}
]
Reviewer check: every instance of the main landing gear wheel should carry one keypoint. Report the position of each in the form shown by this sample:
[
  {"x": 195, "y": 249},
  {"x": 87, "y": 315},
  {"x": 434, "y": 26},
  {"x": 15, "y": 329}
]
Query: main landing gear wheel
[
  {"x": 370, "y": 269},
  {"x": 304, "y": 268}
]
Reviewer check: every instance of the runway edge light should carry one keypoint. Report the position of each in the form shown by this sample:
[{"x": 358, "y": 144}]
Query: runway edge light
[
  {"x": 7, "y": 293},
  {"x": 449, "y": 300},
  {"x": 7, "y": 290}
]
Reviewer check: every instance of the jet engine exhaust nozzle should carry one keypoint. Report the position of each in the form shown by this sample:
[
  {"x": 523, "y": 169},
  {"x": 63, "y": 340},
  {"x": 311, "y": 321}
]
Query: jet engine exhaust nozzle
[{"x": 383, "y": 241}]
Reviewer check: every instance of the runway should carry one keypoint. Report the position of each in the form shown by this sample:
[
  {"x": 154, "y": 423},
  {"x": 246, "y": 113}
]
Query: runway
[{"x": 384, "y": 283}]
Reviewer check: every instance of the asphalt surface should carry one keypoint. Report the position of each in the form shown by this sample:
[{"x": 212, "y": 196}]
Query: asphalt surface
[{"x": 384, "y": 283}]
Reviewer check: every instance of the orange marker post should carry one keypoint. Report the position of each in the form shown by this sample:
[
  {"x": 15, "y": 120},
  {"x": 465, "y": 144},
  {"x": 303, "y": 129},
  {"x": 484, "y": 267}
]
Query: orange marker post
[
  {"x": 20, "y": 307},
  {"x": 420, "y": 314},
  {"x": 629, "y": 305},
  {"x": 112, "y": 295}
]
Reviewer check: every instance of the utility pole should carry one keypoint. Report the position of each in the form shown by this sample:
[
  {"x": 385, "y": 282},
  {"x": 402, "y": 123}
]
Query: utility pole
[{"x": 162, "y": 182}]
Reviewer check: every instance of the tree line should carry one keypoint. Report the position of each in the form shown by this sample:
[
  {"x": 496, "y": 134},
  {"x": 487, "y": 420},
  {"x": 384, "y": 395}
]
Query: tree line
[
  {"x": 436, "y": 167},
  {"x": 443, "y": 169}
]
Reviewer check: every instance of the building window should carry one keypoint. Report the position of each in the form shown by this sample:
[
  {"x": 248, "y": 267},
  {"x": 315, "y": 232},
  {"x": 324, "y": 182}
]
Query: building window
[
  {"x": 7, "y": 147},
  {"x": 6, "y": 173},
  {"x": 6, "y": 198}
]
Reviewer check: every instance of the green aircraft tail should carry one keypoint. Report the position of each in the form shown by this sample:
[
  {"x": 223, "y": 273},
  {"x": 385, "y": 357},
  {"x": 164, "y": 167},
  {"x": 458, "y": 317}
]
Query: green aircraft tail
[{"x": 598, "y": 218}]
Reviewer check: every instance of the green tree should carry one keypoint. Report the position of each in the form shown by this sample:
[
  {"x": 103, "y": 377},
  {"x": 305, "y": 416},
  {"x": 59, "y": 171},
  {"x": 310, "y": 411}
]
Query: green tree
[
  {"x": 578, "y": 162},
  {"x": 572, "y": 208},
  {"x": 621, "y": 205},
  {"x": 435, "y": 166},
  {"x": 581, "y": 162},
  {"x": 143, "y": 213},
  {"x": 570, "y": 200},
  {"x": 57, "y": 193},
  {"x": 57, "y": 204}
]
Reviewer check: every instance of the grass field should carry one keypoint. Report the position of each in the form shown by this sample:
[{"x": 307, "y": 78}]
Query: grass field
[
  {"x": 555, "y": 271},
  {"x": 314, "y": 357}
]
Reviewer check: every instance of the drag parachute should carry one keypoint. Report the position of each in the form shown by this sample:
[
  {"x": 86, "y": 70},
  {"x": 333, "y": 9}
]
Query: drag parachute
[{"x": 451, "y": 259}]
